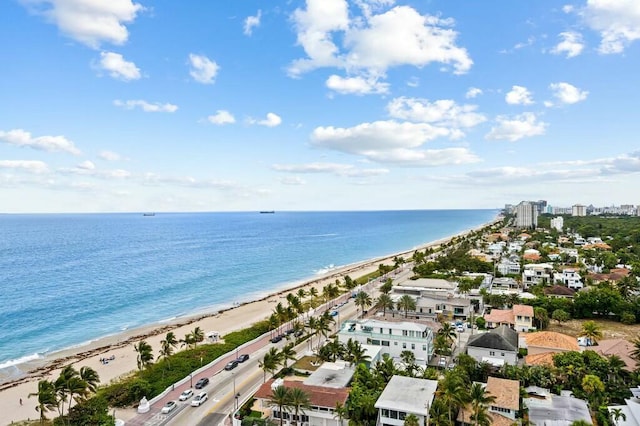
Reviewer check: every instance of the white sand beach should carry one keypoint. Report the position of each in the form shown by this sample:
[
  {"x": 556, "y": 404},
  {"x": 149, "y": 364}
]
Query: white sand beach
[{"x": 121, "y": 346}]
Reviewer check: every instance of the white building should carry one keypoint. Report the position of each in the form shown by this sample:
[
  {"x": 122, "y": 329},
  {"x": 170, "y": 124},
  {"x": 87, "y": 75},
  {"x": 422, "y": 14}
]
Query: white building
[
  {"x": 403, "y": 396},
  {"x": 536, "y": 273},
  {"x": 557, "y": 223},
  {"x": 570, "y": 278},
  {"x": 526, "y": 215},
  {"x": 508, "y": 266},
  {"x": 578, "y": 210},
  {"x": 392, "y": 337}
]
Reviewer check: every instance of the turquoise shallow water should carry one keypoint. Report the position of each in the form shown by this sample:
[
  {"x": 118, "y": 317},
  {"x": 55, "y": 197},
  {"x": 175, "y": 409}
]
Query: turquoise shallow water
[{"x": 68, "y": 279}]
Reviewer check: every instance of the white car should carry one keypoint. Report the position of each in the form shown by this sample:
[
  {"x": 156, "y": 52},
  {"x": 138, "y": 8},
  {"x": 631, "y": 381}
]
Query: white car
[
  {"x": 199, "y": 399},
  {"x": 186, "y": 395},
  {"x": 169, "y": 407}
]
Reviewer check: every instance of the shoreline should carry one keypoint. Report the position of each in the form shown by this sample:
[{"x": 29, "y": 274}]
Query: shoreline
[{"x": 224, "y": 320}]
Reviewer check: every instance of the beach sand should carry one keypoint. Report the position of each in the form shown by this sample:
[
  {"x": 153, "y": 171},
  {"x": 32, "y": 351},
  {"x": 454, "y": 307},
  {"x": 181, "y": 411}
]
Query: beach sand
[{"x": 120, "y": 346}]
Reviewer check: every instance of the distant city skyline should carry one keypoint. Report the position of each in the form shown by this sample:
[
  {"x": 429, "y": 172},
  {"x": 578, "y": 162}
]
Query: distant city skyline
[{"x": 317, "y": 105}]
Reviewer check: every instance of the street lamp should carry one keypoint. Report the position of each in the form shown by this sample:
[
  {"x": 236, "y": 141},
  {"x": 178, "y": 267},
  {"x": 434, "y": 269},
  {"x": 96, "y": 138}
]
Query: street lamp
[
  {"x": 191, "y": 379},
  {"x": 234, "y": 382},
  {"x": 237, "y": 396}
]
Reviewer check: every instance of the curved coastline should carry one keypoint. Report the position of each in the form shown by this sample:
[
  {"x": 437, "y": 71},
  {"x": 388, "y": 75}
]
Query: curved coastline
[{"x": 223, "y": 320}]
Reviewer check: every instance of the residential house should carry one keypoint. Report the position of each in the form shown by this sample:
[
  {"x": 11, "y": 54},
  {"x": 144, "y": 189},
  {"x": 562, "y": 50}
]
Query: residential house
[
  {"x": 548, "y": 341},
  {"x": 435, "y": 297},
  {"x": 570, "y": 278},
  {"x": 547, "y": 409},
  {"x": 504, "y": 408},
  {"x": 531, "y": 255},
  {"x": 630, "y": 412},
  {"x": 537, "y": 273},
  {"x": 403, "y": 396},
  {"x": 508, "y": 266},
  {"x": 496, "y": 347},
  {"x": 392, "y": 337},
  {"x": 619, "y": 347},
  {"x": 519, "y": 317},
  {"x": 559, "y": 291},
  {"x": 322, "y": 401},
  {"x": 504, "y": 285},
  {"x": 613, "y": 276}
]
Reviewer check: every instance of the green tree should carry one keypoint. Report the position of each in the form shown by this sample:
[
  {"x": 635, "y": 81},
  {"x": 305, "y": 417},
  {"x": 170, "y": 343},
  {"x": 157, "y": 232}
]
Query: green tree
[
  {"x": 451, "y": 390},
  {"x": 406, "y": 303},
  {"x": 198, "y": 336},
  {"x": 341, "y": 412},
  {"x": 47, "y": 398},
  {"x": 279, "y": 399},
  {"x": 593, "y": 387},
  {"x": 363, "y": 301},
  {"x": 479, "y": 399},
  {"x": 145, "y": 354},
  {"x": 541, "y": 318},
  {"x": 384, "y": 302},
  {"x": 298, "y": 400},
  {"x": 167, "y": 345},
  {"x": 448, "y": 331},
  {"x": 90, "y": 377},
  {"x": 355, "y": 353},
  {"x": 591, "y": 331},
  {"x": 94, "y": 411},
  {"x": 617, "y": 414},
  {"x": 287, "y": 354},
  {"x": 411, "y": 420},
  {"x": 270, "y": 362},
  {"x": 387, "y": 286},
  {"x": 560, "y": 315}
]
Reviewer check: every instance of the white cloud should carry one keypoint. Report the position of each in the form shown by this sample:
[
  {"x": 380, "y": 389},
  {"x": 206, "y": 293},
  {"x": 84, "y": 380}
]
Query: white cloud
[
  {"x": 571, "y": 44},
  {"x": 110, "y": 156},
  {"x": 617, "y": 21},
  {"x": 118, "y": 67},
  {"x": 473, "y": 92},
  {"x": 252, "y": 22},
  {"x": 567, "y": 93},
  {"x": 372, "y": 43},
  {"x": 392, "y": 142},
  {"x": 356, "y": 85},
  {"x": 443, "y": 112},
  {"x": 90, "y": 22},
  {"x": 221, "y": 117},
  {"x": 519, "y": 95},
  {"x": 146, "y": 106},
  {"x": 513, "y": 129},
  {"x": 272, "y": 120},
  {"x": 291, "y": 180},
  {"x": 203, "y": 70},
  {"x": 26, "y": 165},
  {"x": 329, "y": 168},
  {"x": 567, "y": 8},
  {"x": 87, "y": 165},
  {"x": 23, "y": 138}
]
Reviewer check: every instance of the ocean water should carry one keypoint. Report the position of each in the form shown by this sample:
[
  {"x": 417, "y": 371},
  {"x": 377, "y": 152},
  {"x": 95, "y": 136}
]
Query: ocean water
[{"x": 69, "y": 279}]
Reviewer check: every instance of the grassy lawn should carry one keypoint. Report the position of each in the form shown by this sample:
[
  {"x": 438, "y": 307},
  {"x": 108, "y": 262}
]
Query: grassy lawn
[
  {"x": 610, "y": 329},
  {"x": 305, "y": 363}
]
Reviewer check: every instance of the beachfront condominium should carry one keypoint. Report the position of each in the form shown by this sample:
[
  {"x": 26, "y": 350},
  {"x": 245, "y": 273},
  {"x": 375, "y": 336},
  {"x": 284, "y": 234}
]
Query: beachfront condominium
[
  {"x": 392, "y": 337},
  {"x": 526, "y": 215},
  {"x": 578, "y": 210}
]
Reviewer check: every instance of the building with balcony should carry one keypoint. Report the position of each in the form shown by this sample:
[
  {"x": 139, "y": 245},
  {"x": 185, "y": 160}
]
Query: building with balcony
[
  {"x": 570, "y": 278},
  {"x": 519, "y": 317},
  {"x": 403, "y": 396},
  {"x": 392, "y": 337},
  {"x": 526, "y": 215},
  {"x": 537, "y": 273}
]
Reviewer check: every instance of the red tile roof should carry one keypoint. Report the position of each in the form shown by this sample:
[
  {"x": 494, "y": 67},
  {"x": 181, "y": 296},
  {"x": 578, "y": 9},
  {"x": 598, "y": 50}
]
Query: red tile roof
[
  {"x": 619, "y": 347},
  {"x": 507, "y": 392},
  {"x": 318, "y": 395},
  {"x": 551, "y": 340}
]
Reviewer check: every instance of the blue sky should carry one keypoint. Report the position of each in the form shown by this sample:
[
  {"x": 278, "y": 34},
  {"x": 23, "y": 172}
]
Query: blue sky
[{"x": 317, "y": 105}]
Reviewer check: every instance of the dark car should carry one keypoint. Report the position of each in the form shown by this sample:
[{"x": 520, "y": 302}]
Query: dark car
[
  {"x": 202, "y": 383},
  {"x": 231, "y": 365},
  {"x": 276, "y": 339},
  {"x": 243, "y": 358}
]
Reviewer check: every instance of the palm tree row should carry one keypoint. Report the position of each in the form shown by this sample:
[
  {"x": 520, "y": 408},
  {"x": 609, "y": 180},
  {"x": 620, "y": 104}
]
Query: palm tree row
[
  {"x": 71, "y": 385},
  {"x": 274, "y": 359},
  {"x": 454, "y": 393},
  {"x": 293, "y": 400},
  {"x": 351, "y": 351},
  {"x": 144, "y": 350}
]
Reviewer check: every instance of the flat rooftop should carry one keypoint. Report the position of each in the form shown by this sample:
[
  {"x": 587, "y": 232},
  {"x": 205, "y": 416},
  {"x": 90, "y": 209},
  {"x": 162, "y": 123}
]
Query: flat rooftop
[
  {"x": 331, "y": 375},
  {"x": 408, "y": 394}
]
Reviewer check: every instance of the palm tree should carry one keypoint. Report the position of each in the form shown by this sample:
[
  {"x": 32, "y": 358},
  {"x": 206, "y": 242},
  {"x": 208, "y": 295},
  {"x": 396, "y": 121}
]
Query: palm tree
[
  {"x": 312, "y": 324},
  {"x": 451, "y": 392},
  {"x": 288, "y": 354},
  {"x": 406, "y": 303},
  {"x": 302, "y": 293},
  {"x": 627, "y": 286},
  {"x": 90, "y": 377},
  {"x": 341, "y": 412},
  {"x": 166, "y": 347},
  {"x": 69, "y": 384},
  {"x": 480, "y": 399},
  {"x": 355, "y": 354},
  {"x": 270, "y": 362},
  {"x": 279, "y": 398},
  {"x": 363, "y": 300},
  {"x": 145, "y": 354},
  {"x": 616, "y": 368},
  {"x": 47, "y": 399},
  {"x": 298, "y": 400},
  {"x": 635, "y": 353},
  {"x": 591, "y": 331},
  {"x": 448, "y": 331},
  {"x": 411, "y": 420},
  {"x": 387, "y": 286},
  {"x": 617, "y": 414},
  {"x": 313, "y": 293},
  {"x": 385, "y": 302},
  {"x": 198, "y": 336},
  {"x": 333, "y": 350}
]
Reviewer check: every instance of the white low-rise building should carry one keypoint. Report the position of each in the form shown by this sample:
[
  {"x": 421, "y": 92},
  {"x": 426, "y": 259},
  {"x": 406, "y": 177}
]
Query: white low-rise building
[
  {"x": 570, "y": 278},
  {"x": 403, "y": 396},
  {"x": 537, "y": 273}
]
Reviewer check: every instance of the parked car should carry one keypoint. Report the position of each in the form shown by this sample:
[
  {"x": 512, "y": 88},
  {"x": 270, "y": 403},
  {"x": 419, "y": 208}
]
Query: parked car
[
  {"x": 231, "y": 365},
  {"x": 169, "y": 407},
  {"x": 186, "y": 395},
  {"x": 298, "y": 333},
  {"x": 276, "y": 339},
  {"x": 243, "y": 358},
  {"x": 443, "y": 362},
  {"x": 199, "y": 399},
  {"x": 460, "y": 329},
  {"x": 202, "y": 383}
]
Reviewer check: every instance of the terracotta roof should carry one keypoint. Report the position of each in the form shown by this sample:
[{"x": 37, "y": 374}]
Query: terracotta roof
[
  {"x": 500, "y": 316},
  {"x": 619, "y": 347},
  {"x": 601, "y": 246},
  {"x": 507, "y": 392},
  {"x": 318, "y": 395},
  {"x": 523, "y": 310},
  {"x": 612, "y": 276},
  {"x": 531, "y": 256},
  {"x": 464, "y": 416},
  {"x": 544, "y": 358},
  {"x": 551, "y": 340},
  {"x": 559, "y": 290}
]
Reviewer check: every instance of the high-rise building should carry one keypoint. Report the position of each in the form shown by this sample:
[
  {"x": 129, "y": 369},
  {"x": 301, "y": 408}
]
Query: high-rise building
[
  {"x": 526, "y": 215},
  {"x": 578, "y": 210}
]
